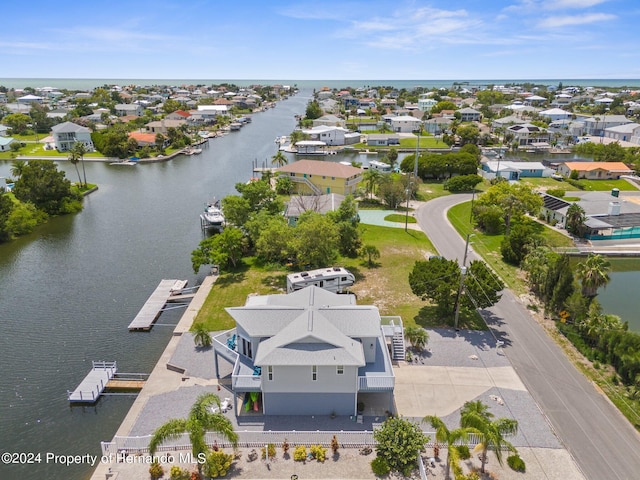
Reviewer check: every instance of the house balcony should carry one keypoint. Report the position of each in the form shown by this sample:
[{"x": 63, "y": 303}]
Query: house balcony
[
  {"x": 377, "y": 376},
  {"x": 243, "y": 376}
]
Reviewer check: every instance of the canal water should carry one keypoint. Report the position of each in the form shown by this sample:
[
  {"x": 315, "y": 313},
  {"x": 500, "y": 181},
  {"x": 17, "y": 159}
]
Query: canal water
[{"x": 69, "y": 290}]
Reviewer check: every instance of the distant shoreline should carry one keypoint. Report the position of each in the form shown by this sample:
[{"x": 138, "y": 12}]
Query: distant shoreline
[{"x": 90, "y": 83}]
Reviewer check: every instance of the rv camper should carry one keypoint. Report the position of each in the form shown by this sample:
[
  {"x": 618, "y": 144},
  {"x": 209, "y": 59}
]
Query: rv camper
[{"x": 334, "y": 279}]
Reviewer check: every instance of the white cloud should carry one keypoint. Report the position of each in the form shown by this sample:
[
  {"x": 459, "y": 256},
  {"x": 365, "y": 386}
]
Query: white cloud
[
  {"x": 567, "y": 20},
  {"x": 567, "y": 4}
]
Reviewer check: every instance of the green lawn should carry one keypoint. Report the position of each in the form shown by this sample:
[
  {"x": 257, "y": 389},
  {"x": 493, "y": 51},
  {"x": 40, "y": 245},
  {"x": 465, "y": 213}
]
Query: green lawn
[
  {"x": 385, "y": 285},
  {"x": 590, "y": 185},
  {"x": 488, "y": 246}
]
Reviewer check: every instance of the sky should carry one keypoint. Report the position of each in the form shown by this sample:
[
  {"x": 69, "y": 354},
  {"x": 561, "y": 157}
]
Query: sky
[{"x": 328, "y": 39}]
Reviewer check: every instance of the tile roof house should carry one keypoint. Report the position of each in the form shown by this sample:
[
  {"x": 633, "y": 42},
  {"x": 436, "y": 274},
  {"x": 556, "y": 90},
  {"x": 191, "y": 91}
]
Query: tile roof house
[
  {"x": 311, "y": 352},
  {"x": 595, "y": 170},
  {"x": 66, "y": 134},
  {"x": 318, "y": 177},
  {"x": 144, "y": 139}
]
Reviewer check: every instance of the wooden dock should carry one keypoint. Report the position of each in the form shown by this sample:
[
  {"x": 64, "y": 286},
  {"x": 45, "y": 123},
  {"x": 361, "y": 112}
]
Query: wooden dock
[
  {"x": 116, "y": 384},
  {"x": 152, "y": 308},
  {"x": 94, "y": 383}
]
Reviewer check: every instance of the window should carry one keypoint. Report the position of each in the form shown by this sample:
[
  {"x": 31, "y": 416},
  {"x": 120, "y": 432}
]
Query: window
[
  {"x": 314, "y": 373},
  {"x": 270, "y": 372},
  {"x": 340, "y": 369}
]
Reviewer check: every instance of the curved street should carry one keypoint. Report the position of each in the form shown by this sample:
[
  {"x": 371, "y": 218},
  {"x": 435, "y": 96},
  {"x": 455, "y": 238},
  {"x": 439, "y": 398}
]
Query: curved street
[{"x": 600, "y": 439}]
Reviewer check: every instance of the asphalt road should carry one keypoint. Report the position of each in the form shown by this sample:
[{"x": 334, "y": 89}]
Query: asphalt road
[{"x": 602, "y": 442}]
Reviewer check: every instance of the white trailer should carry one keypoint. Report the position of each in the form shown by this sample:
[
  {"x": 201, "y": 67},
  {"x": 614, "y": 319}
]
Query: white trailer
[{"x": 335, "y": 279}]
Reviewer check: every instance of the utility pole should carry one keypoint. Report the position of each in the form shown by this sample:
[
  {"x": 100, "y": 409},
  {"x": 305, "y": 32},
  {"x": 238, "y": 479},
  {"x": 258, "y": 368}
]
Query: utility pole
[{"x": 463, "y": 271}]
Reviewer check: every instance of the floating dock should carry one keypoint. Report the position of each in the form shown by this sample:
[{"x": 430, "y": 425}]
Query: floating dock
[
  {"x": 94, "y": 383},
  {"x": 152, "y": 308}
]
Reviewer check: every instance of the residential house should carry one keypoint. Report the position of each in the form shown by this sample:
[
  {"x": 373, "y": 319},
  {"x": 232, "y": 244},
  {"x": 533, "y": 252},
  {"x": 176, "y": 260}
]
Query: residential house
[
  {"x": 609, "y": 216},
  {"x": 5, "y": 143},
  {"x": 595, "y": 170},
  {"x": 311, "y": 203},
  {"x": 4, "y": 130},
  {"x": 514, "y": 170},
  {"x": 178, "y": 115},
  {"x": 595, "y": 126},
  {"x": 629, "y": 132},
  {"x": 404, "y": 123},
  {"x": 310, "y": 352},
  {"x": 144, "y": 139},
  {"x": 123, "y": 109},
  {"x": 318, "y": 177},
  {"x": 469, "y": 114},
  {"x": 329, "y": 121},
  {"x": 162, "y": 126},
  {"x": 527, "y": 134},
  {"x": 29, "y": 99},
  {"x": 426, "y": 103},
  {"x": 66, "y": 134},
  {"x": 382, "y": 139},
  {"x": 437, "y": 125},
  {"x": 388, "y": 103},
  {"x": 554, "y": 114},
  {"x": 332, "y": 135},
  {"x": 504, "y": 122}
]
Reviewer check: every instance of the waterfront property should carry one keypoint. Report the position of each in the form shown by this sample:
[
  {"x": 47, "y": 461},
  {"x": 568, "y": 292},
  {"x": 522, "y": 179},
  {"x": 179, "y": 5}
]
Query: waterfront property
[
  {"x": 311, "y": 352},
  {"x": 66, "y": 134},
  {"x": 318, "y": 177},
  {"x": 608, "y": 216},
  {"x": 514, "y": 170}
]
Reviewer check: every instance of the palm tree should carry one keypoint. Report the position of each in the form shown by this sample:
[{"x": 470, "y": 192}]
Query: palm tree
[
  {"x": 574, "y": 219},
  {"x": 476, "y": 417},
  {"x": 450, "y": 438},
  {"x": 80, "y": 149},
  {"x": 201, "y": 335},
  {"x": 73, "y": 158},
  {"x": 417, "y": 336},
  {"x": 279, "y": 159},
  {"x": 200, "y": 420},
  {"x": 371, "y": 179},
  {"x": 593, "y": 274},
  {"x": 17, "y": 167}
]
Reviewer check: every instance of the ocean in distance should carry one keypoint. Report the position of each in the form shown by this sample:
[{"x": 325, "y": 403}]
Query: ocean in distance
[{"x": 90, "y": 83}]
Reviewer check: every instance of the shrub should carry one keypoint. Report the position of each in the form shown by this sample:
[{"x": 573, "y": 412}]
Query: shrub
[
  {"x": 463, "y": 451},
  {"x": 272, "y": 451},
  {"x": 156, "y": 470},
  {"x": 217, "y": 464},
  {"x": 178, "y": 473},
  {"x": 556, "y": 192},
  {"x": 319, "y": 453},
  {"x": 300, "y": 453},
  {"x": 516, "y": 463},
  {"x": 380, "y": 467},
  {"x": 462, "y": 183},
  {"x": 399, "y": 442},
  {"x": 335, "y": 445}
]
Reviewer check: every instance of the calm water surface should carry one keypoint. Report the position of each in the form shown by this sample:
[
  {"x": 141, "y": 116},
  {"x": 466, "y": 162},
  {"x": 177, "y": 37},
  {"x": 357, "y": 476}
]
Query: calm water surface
[{"x": 69, "y": 291}]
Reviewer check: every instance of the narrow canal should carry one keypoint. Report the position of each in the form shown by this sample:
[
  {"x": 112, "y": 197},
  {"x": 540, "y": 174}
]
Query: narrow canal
[{"x": 68, "y": 292}]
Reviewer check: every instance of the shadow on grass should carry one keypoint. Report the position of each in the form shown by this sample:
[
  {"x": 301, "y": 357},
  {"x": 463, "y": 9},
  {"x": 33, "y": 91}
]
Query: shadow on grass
[
  {"x": 275, "y": 281},
  {"x": 237, "y": 275},
  {"x": 468, "y": 320}
]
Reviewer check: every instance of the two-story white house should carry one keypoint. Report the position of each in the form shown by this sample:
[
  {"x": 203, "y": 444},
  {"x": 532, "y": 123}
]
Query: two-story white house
[
  {"x": 332, "y": 135},
  {"x": 404, "y": 123},
  {"x": 66, "y": 134},
  {"x": 123, "y": 109},
  {"x": 310, "y": 352}
]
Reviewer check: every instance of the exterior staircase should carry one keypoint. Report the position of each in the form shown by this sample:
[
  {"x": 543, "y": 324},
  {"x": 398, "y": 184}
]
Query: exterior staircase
[
  {"x": 307, "y": 182},
  {"x": 397, "y": 345}
]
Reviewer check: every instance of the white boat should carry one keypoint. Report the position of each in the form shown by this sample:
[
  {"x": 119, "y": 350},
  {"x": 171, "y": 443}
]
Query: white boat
[
  {"x": 196, "y": 151},
  {"x": 212, "y": 217}
]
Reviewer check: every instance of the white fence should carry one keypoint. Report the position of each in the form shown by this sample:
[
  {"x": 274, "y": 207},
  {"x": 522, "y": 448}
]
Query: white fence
[{"x": 255, "y": 439}]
